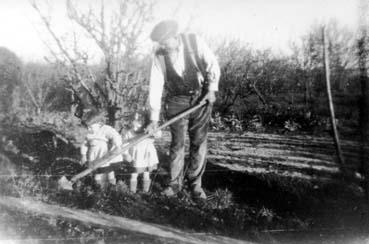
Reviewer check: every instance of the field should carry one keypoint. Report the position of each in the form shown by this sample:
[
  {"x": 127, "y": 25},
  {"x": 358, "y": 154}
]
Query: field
[
  {"x": 272, "y": 173},
  {"x": 262, "y": 187}
]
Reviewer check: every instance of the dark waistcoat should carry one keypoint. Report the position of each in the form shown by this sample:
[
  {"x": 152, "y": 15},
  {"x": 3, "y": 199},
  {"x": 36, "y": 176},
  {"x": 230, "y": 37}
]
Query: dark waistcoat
[{"x": 182, "y": 84}]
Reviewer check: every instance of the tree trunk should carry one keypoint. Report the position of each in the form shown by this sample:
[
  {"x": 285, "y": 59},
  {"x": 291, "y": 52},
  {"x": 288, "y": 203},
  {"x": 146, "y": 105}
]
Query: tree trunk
[
  {"x": 32, "y": 96},
  {"x": 258, "y": 93},
  {"x": 308, "y": 78},
  {"x": 306, "y": 94},
  {"x": 111, "y": 111}
]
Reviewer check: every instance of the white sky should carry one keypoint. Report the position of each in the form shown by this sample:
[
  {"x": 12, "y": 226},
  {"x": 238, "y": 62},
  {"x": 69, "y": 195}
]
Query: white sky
[{"x": 262, "y": 23}]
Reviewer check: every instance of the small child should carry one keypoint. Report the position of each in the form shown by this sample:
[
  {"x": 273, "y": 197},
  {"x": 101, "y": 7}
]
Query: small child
[
  {"x": 143, "y": 156},
  {"x": 99, "y": 140}
]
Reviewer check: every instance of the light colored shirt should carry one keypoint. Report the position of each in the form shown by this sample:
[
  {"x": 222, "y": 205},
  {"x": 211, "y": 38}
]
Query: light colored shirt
[
  {"x": 97, "y": 141},
  {"x": 144, "y": 153},
  {"x": 158, "y": 74}
]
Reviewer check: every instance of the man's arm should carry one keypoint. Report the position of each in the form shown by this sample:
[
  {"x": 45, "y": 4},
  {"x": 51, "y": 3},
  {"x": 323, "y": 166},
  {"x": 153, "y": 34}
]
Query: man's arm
[
  {"x": 156, "y": 88},
  {"x": 212, "y": 69},
  {"x": 211, "y": 64}
]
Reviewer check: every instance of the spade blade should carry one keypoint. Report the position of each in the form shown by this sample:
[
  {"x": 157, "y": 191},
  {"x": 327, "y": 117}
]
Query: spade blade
[{"x": 65, "y": 184}]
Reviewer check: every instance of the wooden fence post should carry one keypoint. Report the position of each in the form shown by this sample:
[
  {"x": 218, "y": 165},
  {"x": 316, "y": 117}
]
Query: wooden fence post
[
  {"x": 330, "y": 101},
  {"x": 364, "y": 99}
]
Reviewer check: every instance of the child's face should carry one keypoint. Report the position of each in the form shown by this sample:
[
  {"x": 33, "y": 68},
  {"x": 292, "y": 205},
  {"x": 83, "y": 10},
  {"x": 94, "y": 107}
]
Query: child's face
[
  {"x": 94, "y": 127},
  {"x": 137, "y": 125}
]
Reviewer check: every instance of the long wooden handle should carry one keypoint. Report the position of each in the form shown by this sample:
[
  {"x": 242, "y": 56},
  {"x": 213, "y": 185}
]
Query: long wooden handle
[{"x": 132, "y": 142}]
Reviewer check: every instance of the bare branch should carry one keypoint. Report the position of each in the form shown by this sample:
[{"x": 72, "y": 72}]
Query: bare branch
[
  {"x": 117, "y": 35},
  {"x": 30, "y": 93}
]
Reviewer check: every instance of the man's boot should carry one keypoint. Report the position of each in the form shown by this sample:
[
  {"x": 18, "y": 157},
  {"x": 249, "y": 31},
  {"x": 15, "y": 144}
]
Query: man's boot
[
  {"x": 168, "y": 192},
  {"x": 198, "y": 193},
  {"x": 146, "y": 182},
  {"x": 171, "y": 190}
]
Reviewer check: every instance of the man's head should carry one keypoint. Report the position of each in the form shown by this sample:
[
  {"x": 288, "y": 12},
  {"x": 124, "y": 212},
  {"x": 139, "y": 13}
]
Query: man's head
[{"x": 165, "y": 34}]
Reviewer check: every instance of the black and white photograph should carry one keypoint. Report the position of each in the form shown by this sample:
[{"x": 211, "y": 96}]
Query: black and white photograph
[{"x": 184, "y": 121}]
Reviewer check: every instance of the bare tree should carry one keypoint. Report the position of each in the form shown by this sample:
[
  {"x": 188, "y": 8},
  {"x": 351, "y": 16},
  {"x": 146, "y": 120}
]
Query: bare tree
[
  {"x": 10, "y": 75},
  {"x": 38, "y": 80},
  {"x": 116, "y": 33},
  {"x": 247, "y": 72},
  {"x": 239, "y": 73},
  {"x": 309, "y": 52}
]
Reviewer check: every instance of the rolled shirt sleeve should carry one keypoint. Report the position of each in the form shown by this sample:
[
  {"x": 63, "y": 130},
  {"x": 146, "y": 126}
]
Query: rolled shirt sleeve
[
  {"x": 156, "y": 88},
  {"x": 84, "y": 148},
  {"x": 211, "y": 65}
]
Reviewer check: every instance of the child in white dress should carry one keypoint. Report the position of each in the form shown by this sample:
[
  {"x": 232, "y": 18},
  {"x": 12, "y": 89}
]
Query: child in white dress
[
  {"x": 99, "y": 140},
  {"x": 144, "y": 158}
]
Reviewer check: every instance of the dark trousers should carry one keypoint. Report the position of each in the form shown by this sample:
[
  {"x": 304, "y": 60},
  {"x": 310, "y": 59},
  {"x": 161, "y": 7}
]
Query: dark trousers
[{"x": 196, "y": 124}]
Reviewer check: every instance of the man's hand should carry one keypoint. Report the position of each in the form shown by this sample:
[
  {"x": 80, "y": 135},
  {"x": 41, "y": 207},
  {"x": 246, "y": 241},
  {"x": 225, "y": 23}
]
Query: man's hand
[
  {"x": 151, "y": 128},
  {"x": 83, "y": 160},
  {"x": 127, "y": 157},
  {"x": 209, "y": 97}
]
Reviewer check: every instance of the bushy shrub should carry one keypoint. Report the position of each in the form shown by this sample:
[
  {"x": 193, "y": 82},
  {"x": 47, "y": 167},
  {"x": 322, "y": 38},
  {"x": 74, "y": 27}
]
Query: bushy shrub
[{"x": 226, "y": 123}]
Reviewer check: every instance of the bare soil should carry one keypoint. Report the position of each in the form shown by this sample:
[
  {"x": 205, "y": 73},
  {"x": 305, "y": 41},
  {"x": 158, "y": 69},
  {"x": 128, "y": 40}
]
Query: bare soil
[{"x": 266, "y": 188}]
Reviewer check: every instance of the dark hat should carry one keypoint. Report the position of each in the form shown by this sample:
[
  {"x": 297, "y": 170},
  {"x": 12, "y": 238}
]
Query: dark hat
[{"x": 164, "y": 30}]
